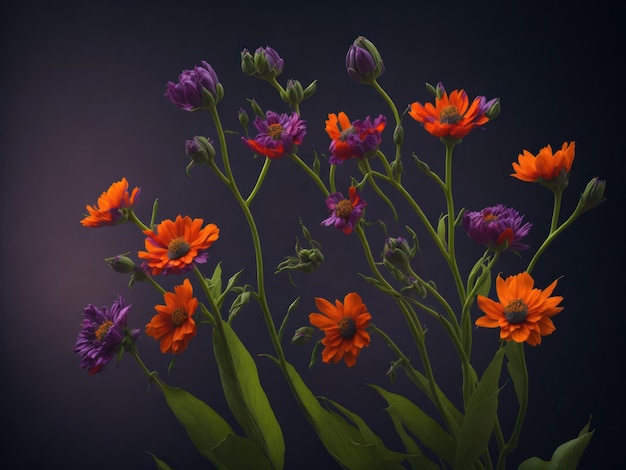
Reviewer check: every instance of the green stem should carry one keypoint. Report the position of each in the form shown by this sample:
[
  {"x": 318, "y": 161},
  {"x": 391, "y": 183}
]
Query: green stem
[
  {"x": 259, "y": 181},
  {"x": 320, "y": 184}
]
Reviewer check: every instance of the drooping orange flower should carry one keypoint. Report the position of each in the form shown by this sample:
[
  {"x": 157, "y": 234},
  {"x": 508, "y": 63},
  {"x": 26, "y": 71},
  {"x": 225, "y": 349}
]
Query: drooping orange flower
[
  {"x": 452, "y": 115},
  {"x": 109, "y": 209},
  {"x": 345, "y": 327},
  {"x": 174, "y": 324},
  {"x": 174, "y": 246},
  {"x": 546, "y": 165},
  {"x": 522, "y": 312}
]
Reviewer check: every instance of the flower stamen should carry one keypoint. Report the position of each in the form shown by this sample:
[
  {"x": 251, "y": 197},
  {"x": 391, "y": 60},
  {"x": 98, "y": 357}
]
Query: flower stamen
[
  {"x": 347, "y": 328},
  {"x": 275, "y": 131},
  {"x": 179, "y": 316},
  {"x": 344, "y": 208},
  {"x": 177, "y": 248},
  {"x": 516, "y": 311},
  {"x": 450, "y": 115},
  {"x": 103, "y": 329}
]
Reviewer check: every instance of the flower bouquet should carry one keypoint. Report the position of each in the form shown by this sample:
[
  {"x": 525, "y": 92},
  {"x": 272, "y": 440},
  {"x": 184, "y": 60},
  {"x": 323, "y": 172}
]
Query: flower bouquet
[{"x": 366, "y": 159}]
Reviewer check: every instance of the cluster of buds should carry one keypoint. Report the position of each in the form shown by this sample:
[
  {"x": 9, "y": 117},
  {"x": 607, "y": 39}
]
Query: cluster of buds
[{"x": 306, "y": 260}]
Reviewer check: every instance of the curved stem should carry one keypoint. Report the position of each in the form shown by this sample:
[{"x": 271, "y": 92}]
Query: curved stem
[
  {"x": 320, "y": 184},
  {"x": 259, "y": 181}
]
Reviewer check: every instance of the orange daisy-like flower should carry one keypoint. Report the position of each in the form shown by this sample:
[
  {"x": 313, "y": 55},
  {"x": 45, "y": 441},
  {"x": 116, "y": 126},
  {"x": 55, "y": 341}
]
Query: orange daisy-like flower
[
  {"x": 452, "y": 115},
  {"x": 345, "y": 327},
  {"x": 174, "y": 324},
  {"x": 111, "y": 206},
  {"x": 174, "y": 246},
  {"x": 522, "y": 312},
  {"x": 546, "y": 166}
]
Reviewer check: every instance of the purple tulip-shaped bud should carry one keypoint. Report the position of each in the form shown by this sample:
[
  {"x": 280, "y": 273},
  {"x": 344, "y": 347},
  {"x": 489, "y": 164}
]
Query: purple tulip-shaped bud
[
  {"x": 196, "y": 89},
  {"x": 363, "y": 61}
]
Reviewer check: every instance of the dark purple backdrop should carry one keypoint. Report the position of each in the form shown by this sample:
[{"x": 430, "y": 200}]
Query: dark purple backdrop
[{"x": 82, "y": 101}]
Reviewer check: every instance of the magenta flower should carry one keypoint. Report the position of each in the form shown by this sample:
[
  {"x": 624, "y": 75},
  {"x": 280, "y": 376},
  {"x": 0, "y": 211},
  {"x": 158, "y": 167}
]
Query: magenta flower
[
  {"x": 279, "y": 134},
  {"x": 363, "y": 61},
  {"x": 344, "y": 213},
  {"x": 197, "y": 88},
  {"x": 494, "y": 226},
  {"x": 358, "y": 139},
  {"x": 103, "y": 333}
]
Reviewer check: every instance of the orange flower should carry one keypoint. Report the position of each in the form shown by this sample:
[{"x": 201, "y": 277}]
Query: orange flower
[
  {"x": 522, "y": 313},
  {"x": 452, "y": 115},
  {"x": 345, "y": 328},
  {"x": 174, "y": 324},
  {"x": 111, "y": 204},
  {"x": 546, "y": 165},
  {"x": 174, "y": 246}
]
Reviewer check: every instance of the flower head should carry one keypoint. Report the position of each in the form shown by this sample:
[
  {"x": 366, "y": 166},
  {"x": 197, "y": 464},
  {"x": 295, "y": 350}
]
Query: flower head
[
  {"x": 363, "y": 61},
  {"x": 344, "y": 213},
  {"x": 265, "y": 63},
  {"x": 496, "y": 225},
  {"x": 103, "y": 333},
  {"x": 344, "y": 325},
  {"x": 112, "y": 206},
  {"x": 358, "y": 139},
  {"x": 195, "y": 89},
  {"x": 279, "y": 134},
  {"x": 174, "y": 324},
  {"x": 548, "y": 168},
  {"x": 175, "y": 245},
  {"x": 522, "y": 312},
  {"x": 452, "y": 115}
]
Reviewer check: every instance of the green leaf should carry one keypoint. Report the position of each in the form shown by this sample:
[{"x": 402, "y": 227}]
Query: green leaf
[
  {"x": 159, "y": 463},
  {"x": 480, "y": 416},
  {"x": 565, "y": 457},
  {"x": 345, "y": 442},
  {"x": 516, "y": 366},
  {"x": 245, "y": 395},
  {"x": 241, "y": 453},
  {"x": 205, "y": 427},
  {"x": 215, "y": 282},
  {"x": 425, "y": 429},
  {"x": 416, "y": 458}
]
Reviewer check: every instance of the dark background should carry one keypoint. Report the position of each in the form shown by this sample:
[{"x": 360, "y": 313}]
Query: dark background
[{"x": 82, "y": 103}]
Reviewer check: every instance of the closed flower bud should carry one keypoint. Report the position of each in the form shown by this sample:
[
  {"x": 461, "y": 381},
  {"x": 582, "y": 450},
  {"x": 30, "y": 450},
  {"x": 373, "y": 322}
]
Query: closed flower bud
[
  {"x": 493, "y": 111},
  {"x": 363, "y": 61},
  {"x": 303, "y": 335},
  {"x": 398, "y": 135},
  {"x": 397, "y": 251},
  {"x": 265, "y": 63},
  {"x": 200, "y": 150},
  {"x": 308, "y": 91},
  {"x": 243, "y": 118},
  {"x": 593, "y": 194},
  {"x": 121, "y": 264},
  {"x": 294, "y": 92}
]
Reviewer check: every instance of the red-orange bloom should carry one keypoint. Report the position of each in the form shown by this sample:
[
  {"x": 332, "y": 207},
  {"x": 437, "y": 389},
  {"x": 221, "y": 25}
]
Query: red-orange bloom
[
  {"x": 452, "y": 115},
  {"x": 174, "y": 246},
  {"x": 345, "y": 327},
  {"x": 174, "y": 324},
  {"x": 546, "y": 165},
  {"x": 110, "y": 209},
  {"x": 522, "y": 312}
]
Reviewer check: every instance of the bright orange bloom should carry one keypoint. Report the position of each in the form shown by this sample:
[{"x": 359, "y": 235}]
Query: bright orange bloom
[
  {"x": 345, "y": 327},
  {"x": 174, "y": 324},
  {"x": 174, "y": 246},
  {"x": 522, "y": 313},
  {"x": 546, "y": 165},
  {"x": 452, "y": 115},
  {"x": 109, "y": 209}
]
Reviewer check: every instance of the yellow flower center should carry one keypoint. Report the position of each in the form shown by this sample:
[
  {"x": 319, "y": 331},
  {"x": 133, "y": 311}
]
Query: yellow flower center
[
  {"x": 103, "y": 329},
  {"x": 344, "y": 209},
  {"x": 490, "y": 218},
  {"x": 450, "y": 115},
  {"x": 179, "y": 316},
  {"x": 177, "y": 248},
  {"x": 275, "y": 131},
  {"x": 516, "y": 311},
  {"x": 347, "y": 328}
]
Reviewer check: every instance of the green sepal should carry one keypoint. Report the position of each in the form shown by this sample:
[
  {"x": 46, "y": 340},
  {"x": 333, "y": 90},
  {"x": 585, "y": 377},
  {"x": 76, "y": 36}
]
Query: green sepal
[
  {"x": 215, "y": 283},
  {"x": 565, "y": 457},
  {"x": 424, "y": 428},
  {"x": 480, "y": 416},
  {"x": 441, "y": 228},
  {"x": 245, "y": 395}
]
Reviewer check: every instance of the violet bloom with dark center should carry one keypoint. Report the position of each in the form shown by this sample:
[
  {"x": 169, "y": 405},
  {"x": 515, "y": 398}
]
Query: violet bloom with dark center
[
  {"x": 497, "y": 227},
  {"x": 344, "y": 213},
  {"x": 187, "y": 94},
  {"x": 279, "y": 134},
  {"x": 102, "y": 335}
]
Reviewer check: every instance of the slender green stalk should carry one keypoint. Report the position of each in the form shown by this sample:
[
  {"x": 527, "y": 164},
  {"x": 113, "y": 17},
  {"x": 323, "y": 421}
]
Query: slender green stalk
[
  {"x": 259, "y": 181},
  {"x": 320, "y": 184}
]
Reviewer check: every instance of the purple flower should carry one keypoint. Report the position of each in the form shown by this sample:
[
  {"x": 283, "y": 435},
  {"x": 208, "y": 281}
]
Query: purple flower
[
  {"x": 363, "y": 61},
  {"x": 344, "y": 213},
  {"x": 359, "y": 139},
  {"x": 265, "y": 63},
  {"x": 279, "y": 134},
  {"x": 197, "y": 88},
  {"x": 103, "y": 334},
  {"x": 497, "y": 227}
]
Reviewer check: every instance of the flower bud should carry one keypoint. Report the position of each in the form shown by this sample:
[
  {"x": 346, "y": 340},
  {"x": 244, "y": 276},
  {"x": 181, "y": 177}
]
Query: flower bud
[
  {"x": 200, "y": 150},
  {"x": 196, "y": 89},
  {"x": 294, "y": 94},
  {"x": 121, "y": 264},
  {"x": 363, "y": 61},
  {"x": 303, "y": 335},
  {"x": 398, "y": 135},
  {"x": 243, "y": 118},
  {"x": 397, "y": 251},
  {"x": 265, "y": 63},
  {"x": 593, "y": 194},
  {"x": 308, "y": 91},
  {"x": 493, "y": 109}
]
